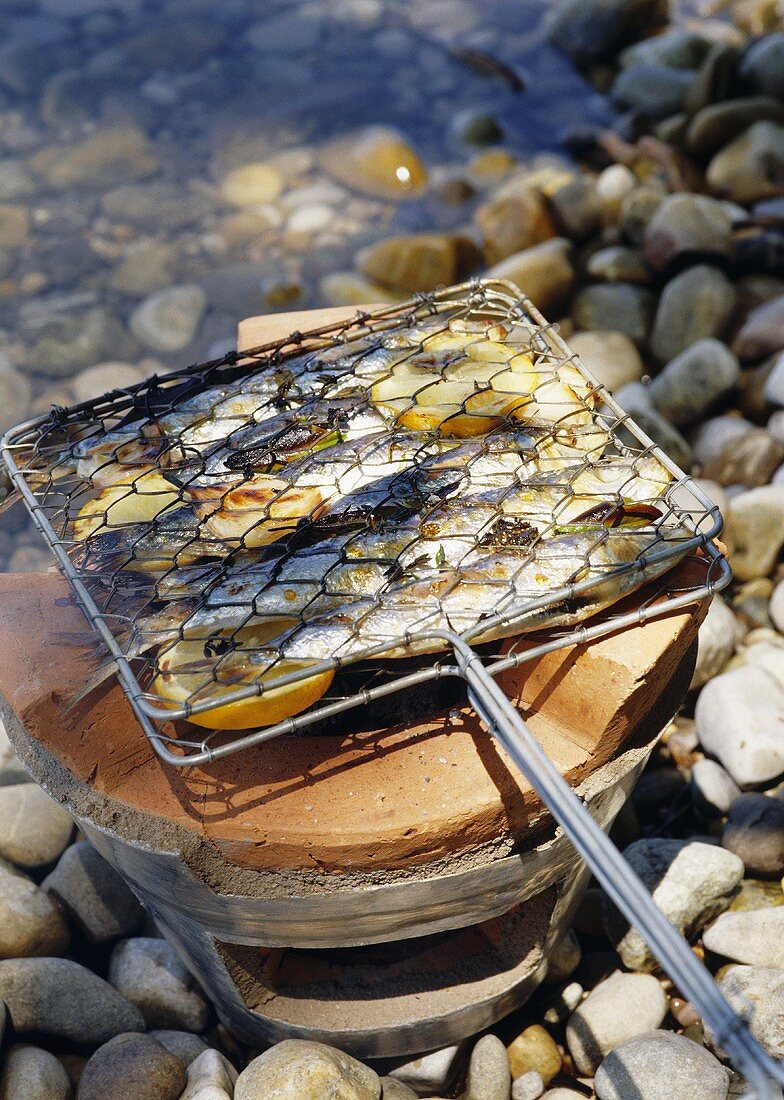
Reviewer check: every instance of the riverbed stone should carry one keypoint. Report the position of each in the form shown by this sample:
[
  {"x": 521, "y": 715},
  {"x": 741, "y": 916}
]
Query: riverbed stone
[
  {"x": 619, "y": 307},
  {"x": 719, "y": 635},
  {"x": 545, "y": 272},
  {"x": 595, "y": 30},
  {"x": 755, "y": 832},
  {"x": 251, "y": 185},
  {"x": 132, "y": 1065},
  {"x": 511, "y": 222},
  {"x": 30, "y": 923},
  {"x": 150, "y": 974},
  {"x": 528, "y": 1087},
  {"x": 738, "y": 715},
  {"x": 657, "y": 91},
  {"x": 34, "y": 829},
  {"x": 167, "y": 321},
  {"x": 762, "y": 333},
  {"x": 685, "y": 227},
  {"x": 611, "y": 357},
  {"x": 429, "y": 1074},
  {"x": 758, "y": 993},
  {"x": 660, "y": 1066},
  {"x": 755, "y": 530},
  {"x": 489, "y": 1076},
  {"x": 94, "y": 896},
  {"x": 757, "y": 893},
  {"x": 396, "y": 1090},
  {"x": 211, "y": 1076},
  {"x": 713, "y": 790},
  {"x": 577, "y": 208},
  {"x": 695, "y": 380},
  {"x": 155, "y": 203},
  {"x": 635, "y": 400},
  {"x": 691, "y": 884},
  {"x": 300, "y": 1070},
  {"x": 755, "y": 937},
  {"x": 636, "y": 211},
  {"x": 732, "y": 451},
  {"x": 146, "y": 266},
  {"x": 715, "y": 125},
  {"x": 184, "y": 1044},
  {"x": 751, "y": 166},
  {"x": 763, "y": 65},
  {"x": 696, "y": 304},
  {"x": 108, "y": 157},
  {"x": 420, "y": 262},
  {"x": 30, "y": 1073},
  {"x": 60, "y": 997},
  {"x": 534, "y": 1050},
  {"x": 376, "y": 161},
  {"x": 622, "y": 1006}
]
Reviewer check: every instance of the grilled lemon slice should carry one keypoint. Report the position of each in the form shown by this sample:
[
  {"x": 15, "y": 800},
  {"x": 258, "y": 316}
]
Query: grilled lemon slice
[
  {"x": 137, "y": 499},
  {"x": 195, "y": 670}
]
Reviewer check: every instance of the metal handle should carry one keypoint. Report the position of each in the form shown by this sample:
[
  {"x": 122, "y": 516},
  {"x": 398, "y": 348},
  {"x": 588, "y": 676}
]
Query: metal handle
[{"x": 617, "y": 878}]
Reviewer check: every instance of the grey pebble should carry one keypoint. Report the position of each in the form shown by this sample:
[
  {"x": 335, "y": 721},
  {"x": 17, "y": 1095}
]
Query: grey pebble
[
  {"x": 93, "y": 894},
  {"x": 34, "y": 829},
  {"x": 712, "y": 790},
  {"x": 755, "y": 937},
  {"x": 661, "y": 1066},
  {"x": 151, "y": 975},
  {"x": 622, "y": 1006},
  {"x": 755, "y": 832},
  {"x": 694, "y": 305},
  {"x": 694, "y": 381},
  {"x": 489, "y": 1076}
]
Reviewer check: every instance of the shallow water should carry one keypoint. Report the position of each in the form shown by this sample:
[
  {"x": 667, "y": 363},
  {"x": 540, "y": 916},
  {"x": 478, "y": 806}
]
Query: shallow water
[{"x": 199, "y": 93}]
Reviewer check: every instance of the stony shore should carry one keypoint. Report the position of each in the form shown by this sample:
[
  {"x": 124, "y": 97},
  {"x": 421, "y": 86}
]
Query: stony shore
[{"x": 133, "y": 237}]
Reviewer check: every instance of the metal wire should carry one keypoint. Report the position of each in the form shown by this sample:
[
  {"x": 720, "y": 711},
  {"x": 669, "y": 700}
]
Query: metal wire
[{"x": 240, "y": 531}]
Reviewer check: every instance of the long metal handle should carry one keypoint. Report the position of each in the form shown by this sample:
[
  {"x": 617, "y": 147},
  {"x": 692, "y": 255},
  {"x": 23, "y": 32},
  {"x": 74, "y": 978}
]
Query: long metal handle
[{"x": 620, "y": 882}]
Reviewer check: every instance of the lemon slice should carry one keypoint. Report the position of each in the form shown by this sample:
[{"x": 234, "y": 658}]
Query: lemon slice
[
  {"x": 195, "y": 670},
  {"x": 256, "y": 512},
  {"x": 135, "y": 499}
]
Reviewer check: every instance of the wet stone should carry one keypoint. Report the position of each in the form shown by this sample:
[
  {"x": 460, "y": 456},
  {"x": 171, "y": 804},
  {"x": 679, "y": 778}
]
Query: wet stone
[
  {"x": 659, "y": 1066},
  {"x": 376, "y": 161},
  {"x": 762, "y": 332},
  {"x": 59, "y": 997},
  {"x": 167, "y": 321},
  {"x": 696, "y": 304},
  {"x": 619, "y": 307},
  {"x": 299, "y": 1070},
  {"x": 755, "y": 832},
  {"x": 71, "y": 342},
  {"x": 752, "y": 166},
  {"x": 719, "y": 123},
  {"x": 33, "y": 1074},
  {"x": 619, "y": 1008},
  {"x": 737, "y": 716},
  {"x": 93, "y": 894},
  {"x": 106, "y": 158},
  {"x": 150, "y": 974},
  {"x": 34, "y": 829},
  {"x": 691, "y": 884},
  {"x": 545, "y": 272},
  {"x": 685, "y": 227},
  {"x": 135, "y": 1066},
  {"x": 655, "y": 90}
]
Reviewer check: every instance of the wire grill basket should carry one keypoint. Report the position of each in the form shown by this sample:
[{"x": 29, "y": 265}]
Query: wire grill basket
[{"x": 349, "y": 501}]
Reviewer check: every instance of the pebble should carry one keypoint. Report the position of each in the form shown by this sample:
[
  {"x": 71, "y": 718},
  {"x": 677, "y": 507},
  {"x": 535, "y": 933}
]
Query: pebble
[
  {"x": 738, "y": 715},
  {"x": 108, "y": 157},
  {"x": 611, "y": 357},
  {"x": 755, "y": 530},
  {"x": 418, "y": 263},
  {"x": 30, "y": 924},
  {"x": 757, "y": 893},
  {"x": 712, "y": 789},
  {"x": 151, "y": 975},
  {"x": 637, "y": 209},
  {"x": 755, "y": 832},
  {"x": 577, "y": 208},
  {"x": 595, "y": 30},
  {"x": 251, "y": 185},
  {"x": 719, "y": 636},
  {"x": 685, "y": 227},
  {"x": 762, "y": 333},
  {"x": 618, "y": 264},
  {"x": 155, "y": 203},
  {"x": 534, "y": 1049},
  {"x": 376, "y": 161},
  {"x": 660, "y": 1066},
  {"x": 694, "y": 381},
  {"x": 430, "y": 1073},
  {"x": 489, "y": 1076},
  {"x": 396, "y": 1090},
  {"x": 755, "y": 937},
  {"x": 349, "y": 288},
  {"x": 763, "y": 65},
  {"x": 93, "y": 895},
  {"x": 751, "y": 166},
  {"x": 731, "y": 451},
  {"x": 757, "y": 992},
  {"x": 77, "y": 340},
  {"x": 512, "y": 221},
  {"x": 613, "y": 184},
  {"x": 545, "y": 272},
  {"x": 30, "y": 1073},
  {"x": 145, "y": 267},
  {"x": 34, "y": 829},
  {"x": 211, "y": 1076},
  {"x": 300, "y": 1070},
  {"x": 621, "y": 307},
  {"x": 622, "y": 1006},
  {"x": 564, "y": 959},
  {"x": 563, "y": 1094},
  {"x": 16, "y": 182},
  {"x": 696, "y": 304},
  {"x": 657, "y": 91},
  {"x": 60, "y": 997},
  {"x": 184, "y": 1044},
  {"x": 528, "y": 1087},
  {"x": 718, "y": 124},
  {"x": 132, "y": 1065},
  {"x": 676, "y": 47},
  {"x": 167, "y": 321},
  {"x": 691, "y": 884},
  {"x": 635, "y": 400}
]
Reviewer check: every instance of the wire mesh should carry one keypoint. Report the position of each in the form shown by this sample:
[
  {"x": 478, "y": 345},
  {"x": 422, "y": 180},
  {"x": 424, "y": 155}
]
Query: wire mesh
[{"x": 270, "y": 539}]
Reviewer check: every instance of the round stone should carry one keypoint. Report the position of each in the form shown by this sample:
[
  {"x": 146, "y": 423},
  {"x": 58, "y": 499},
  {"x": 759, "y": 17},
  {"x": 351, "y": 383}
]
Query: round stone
[
  {"x": 251, "y": 185},
  {"x": 738, "y": 715},
  {"x": 755, "y": 937},
  {"x": 184, "y": 1044},
  {"x": 696, "y": 304},
  {"x": 534, "y": 1050},
  {"x": 545, "y": 272},
  {"x": 751, "y": 166},
  {"x": 211, "y": 1076},
  {"x": 619, "y": 1008},
  {"x": 512, "y": 221},
  {"x": 618, "y": 264},
  {"x": 135, "y": 1066},
  {"x": 300, "y": 1070},
  {"x": 763, "y": 65},
  {"x": 660, "y": 1066},
  {"x": 33, "y": 1074},
  {"x": 656, "y": 90},
  {"x": 167, "y": 321},
  {"x": 755, "y": 530},
  {"x": 619, "y": 307},
  {"x": 712, "y": 789},
  {"x": 755, "y": 832},
  {"x": 30, "y": 924},
  {"x": 719, "y": 636},
  {"x": 489, "y": 1077},
  {"x": 376, "y": 161},
  {"x": 687, "y": 226},
  {"x": 762, "y": 333},
  {"x": 695, "y": 380},
  {"x": 528, "y": 1087},
  {"x": 757, "y": 993},
  {"x": 613, "y": 184},
  {"x": 34, "y": 829},
  {"x": 93, "y": 895},
  {"x": 150, "y": 974}
]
